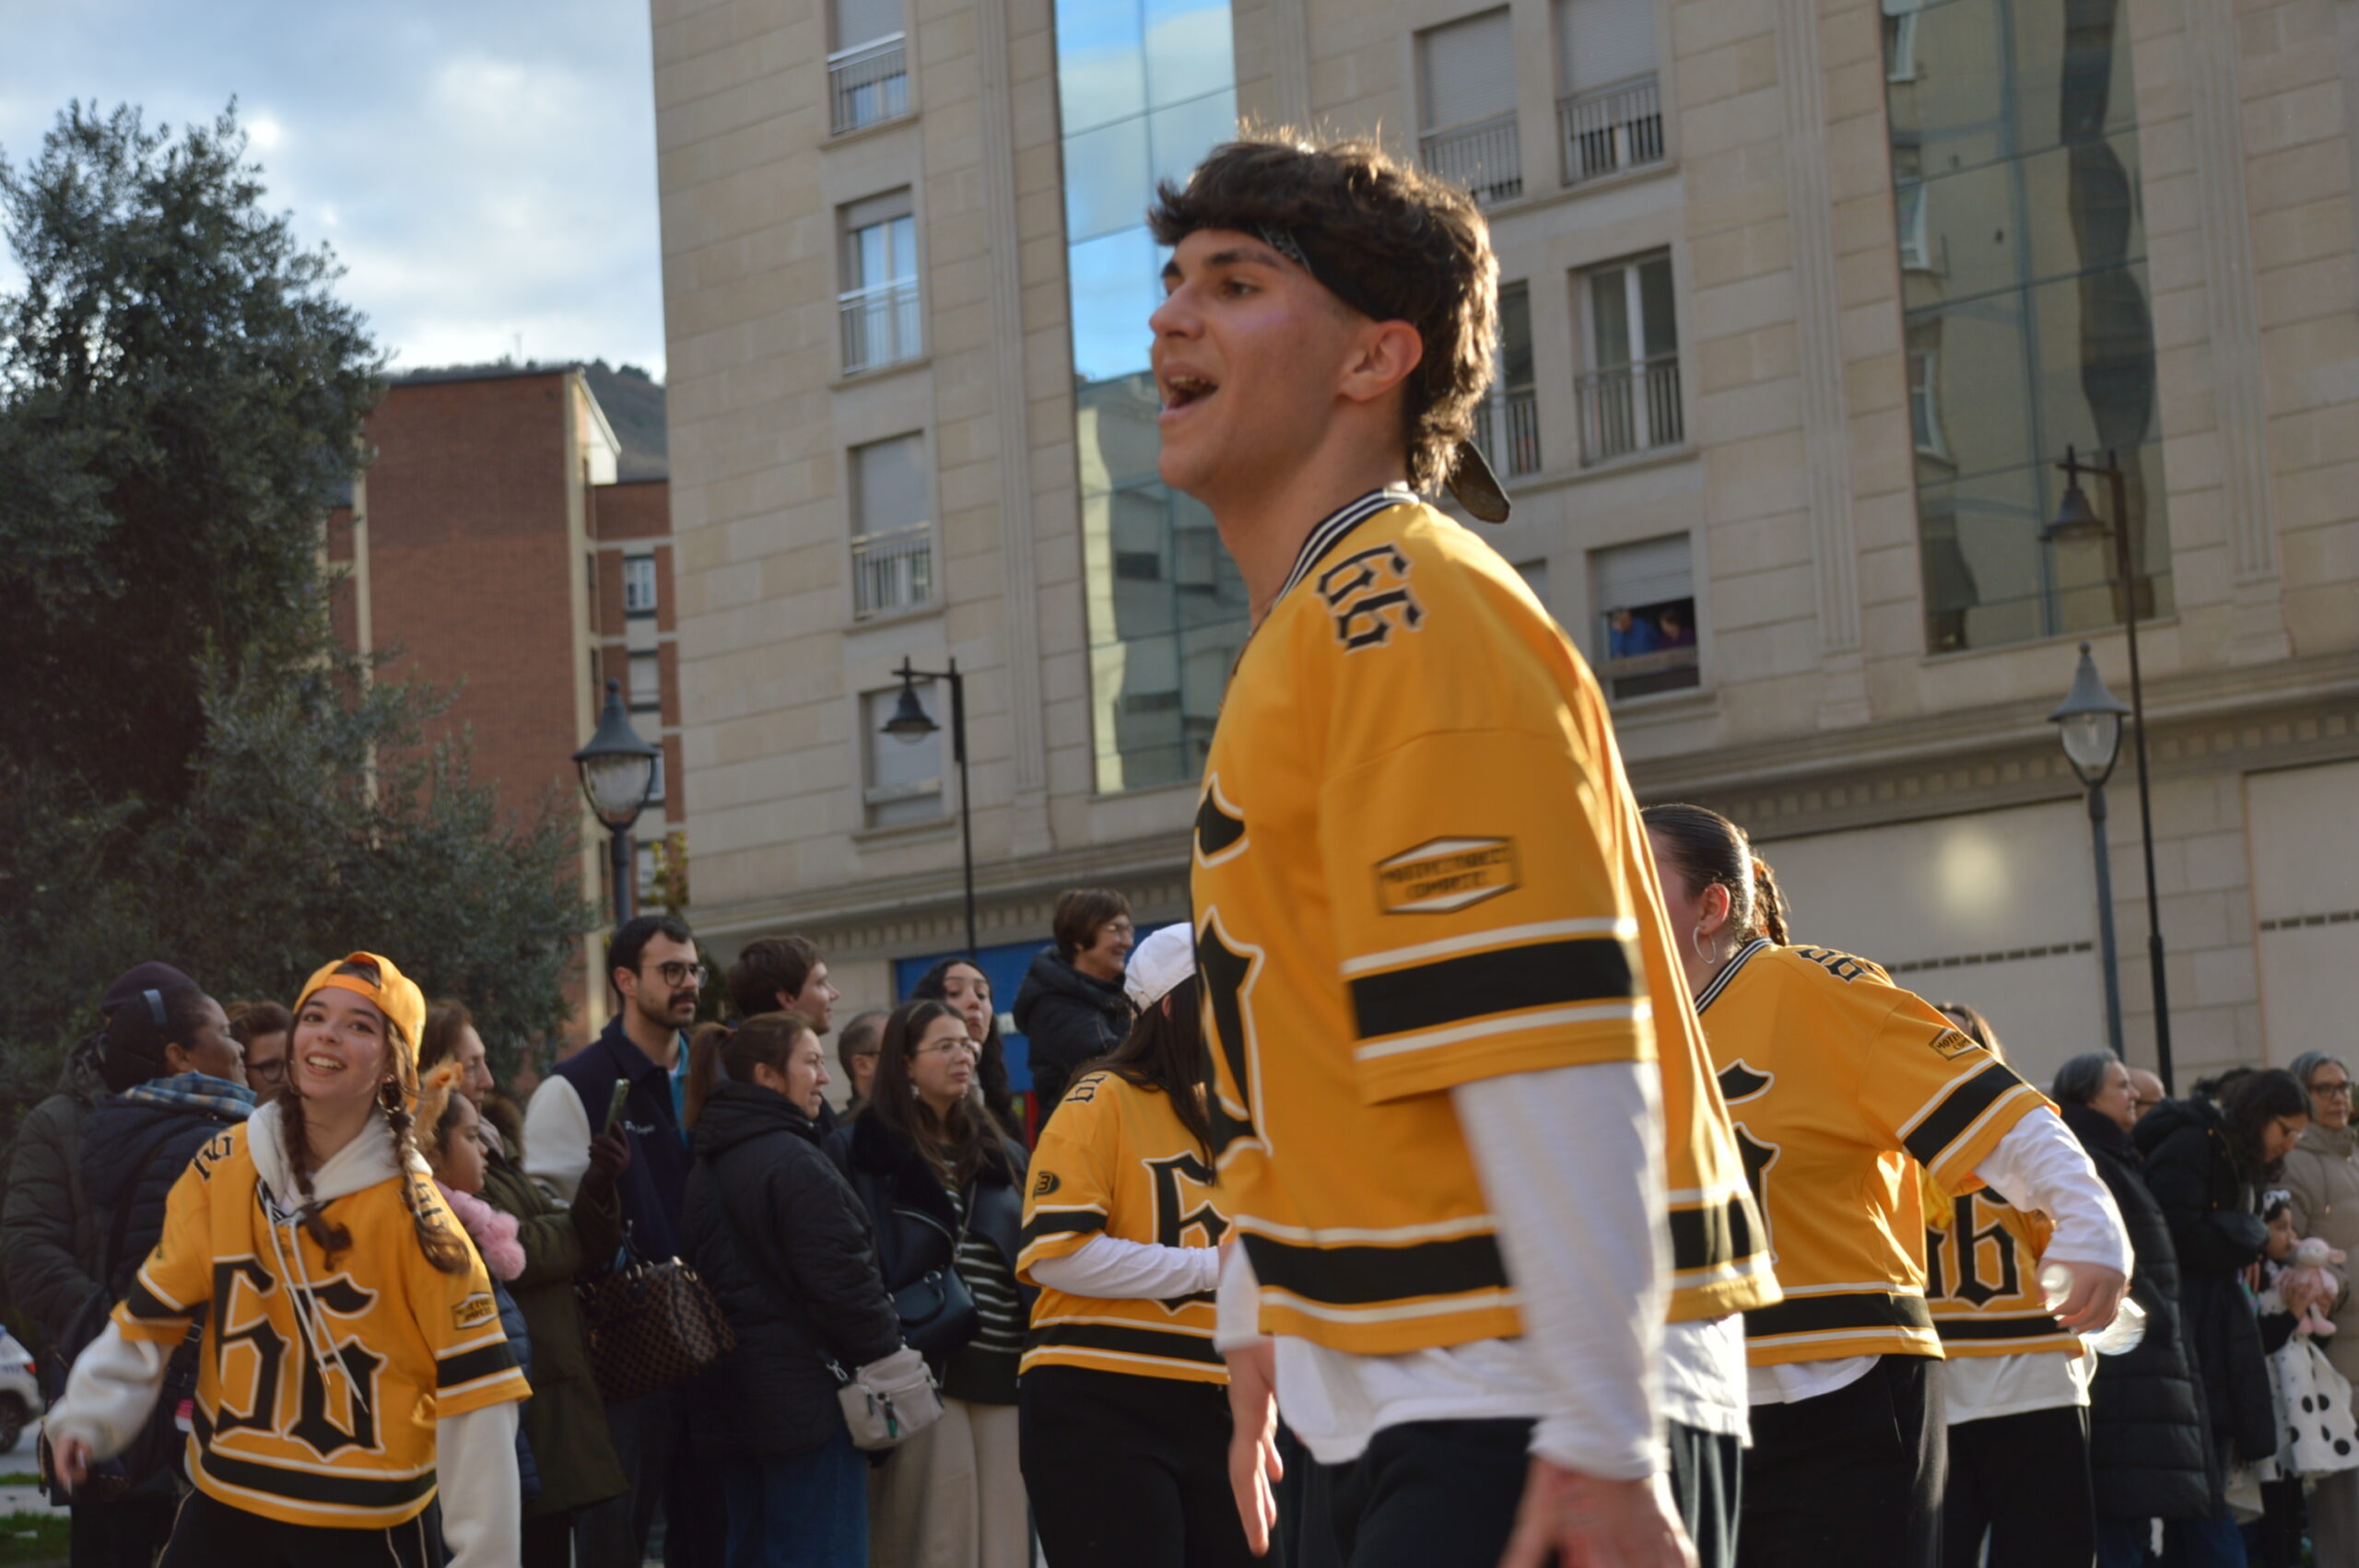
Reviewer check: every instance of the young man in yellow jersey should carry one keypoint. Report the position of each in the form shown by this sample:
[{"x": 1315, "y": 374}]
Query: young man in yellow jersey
[{"x": 1430, "y": 942}]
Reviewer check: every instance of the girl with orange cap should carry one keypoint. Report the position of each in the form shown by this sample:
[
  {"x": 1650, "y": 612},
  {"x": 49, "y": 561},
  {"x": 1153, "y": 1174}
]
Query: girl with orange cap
[{"x": 353, "y": 1367}]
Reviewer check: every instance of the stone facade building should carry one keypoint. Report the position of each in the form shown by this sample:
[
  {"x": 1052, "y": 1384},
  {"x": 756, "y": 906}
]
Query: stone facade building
[{"x": 1804, "y": 301}]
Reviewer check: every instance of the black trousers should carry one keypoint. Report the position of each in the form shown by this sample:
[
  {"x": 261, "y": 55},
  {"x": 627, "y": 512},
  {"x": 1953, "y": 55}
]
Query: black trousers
[
  {"x": 1128, "y": 1472},
  {"x": 2023, "y": 1482},
  {"x": 1431, "y": 1495},
  {"x": 1707, "y": 1482},
  {"x": 1851, "y": 1477},
  {"x": 122, "y": 1532},
  {"x": 214, "y": 1535}
]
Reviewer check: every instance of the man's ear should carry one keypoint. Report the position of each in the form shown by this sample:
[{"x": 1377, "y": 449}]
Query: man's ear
[
  {"x": 626, "y": 982},
  {"x": 1385, "y": 354}
]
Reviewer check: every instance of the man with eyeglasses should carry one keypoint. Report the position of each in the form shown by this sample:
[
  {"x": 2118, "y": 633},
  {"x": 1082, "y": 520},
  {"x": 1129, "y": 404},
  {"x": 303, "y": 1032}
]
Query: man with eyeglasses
[{"x": 652, "y": 968}]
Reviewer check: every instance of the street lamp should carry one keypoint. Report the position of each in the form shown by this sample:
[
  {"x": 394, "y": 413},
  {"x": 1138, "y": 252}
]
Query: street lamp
[
  {"x": 2089, "y": 723},
  {"x": 910, "y": 724},
  {"x": 617, "y": 775},
  {"x": 2077, "y": 521}
]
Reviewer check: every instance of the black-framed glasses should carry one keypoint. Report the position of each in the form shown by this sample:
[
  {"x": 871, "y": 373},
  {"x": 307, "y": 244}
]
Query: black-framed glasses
[
  {"x": 2332, "y": 1090},
  {"x": 677, "y": 974}
]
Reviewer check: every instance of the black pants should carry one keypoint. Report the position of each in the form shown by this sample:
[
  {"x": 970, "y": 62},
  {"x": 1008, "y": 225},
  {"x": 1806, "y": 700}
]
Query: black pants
[
  {"x": 548, "y": 1541},
  {"x": 1707, "y": 1482},
  {"x": 1129, "y": 1472},
  {"x": 122, "y": 1532},
  {"x": 214, "y": 1535},
  {"x": 1851, "y": 1477},
  {"x": 1431, "y": 1495},
  {"x": 2022, "y": 1479}
]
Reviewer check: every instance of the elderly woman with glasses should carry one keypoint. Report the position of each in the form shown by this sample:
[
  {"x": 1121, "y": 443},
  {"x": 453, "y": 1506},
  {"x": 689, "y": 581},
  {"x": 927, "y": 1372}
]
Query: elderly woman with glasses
[{"x": 2323, "y": 1179}]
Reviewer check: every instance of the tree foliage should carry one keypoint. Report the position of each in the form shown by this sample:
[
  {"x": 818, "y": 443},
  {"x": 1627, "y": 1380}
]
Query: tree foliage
[{"x": 190, "y": 769}]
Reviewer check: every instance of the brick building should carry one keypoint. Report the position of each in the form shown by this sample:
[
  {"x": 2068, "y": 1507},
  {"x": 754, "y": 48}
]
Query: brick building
[{"x": 492, "y": 547}]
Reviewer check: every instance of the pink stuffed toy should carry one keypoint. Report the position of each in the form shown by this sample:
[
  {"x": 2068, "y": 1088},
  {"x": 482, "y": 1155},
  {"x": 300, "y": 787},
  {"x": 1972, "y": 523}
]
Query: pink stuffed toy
[
  {"x": 2309, "y": 1285},
  {"x": 494, "y": 1232}
]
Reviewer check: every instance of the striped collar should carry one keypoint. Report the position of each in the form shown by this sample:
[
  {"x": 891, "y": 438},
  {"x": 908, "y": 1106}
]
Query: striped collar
[
  {"x": 1720, "y": 981},
  {"x": 1337, "y": 524}
]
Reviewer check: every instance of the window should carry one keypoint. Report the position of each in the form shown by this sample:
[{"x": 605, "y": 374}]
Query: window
[
  {"x": 868, "y": 74},
  {"x": 1900, "y": 39},
  {"x": 1925, "y": 390},
  {"x": 879, "y": 303},
  {"x": 1908, "y": 210},
  {"x": 1646, "y": 618},
  {"x": 892, "y": 542},
  {"x": 904, "y": 782},
  {"x": 1506, "y": 422},
  {"x": 655, "y": 787},
  {"x": 638, "y": 585},
  {"x": 1466, "y": 77},
  {"x": 1630, "y": 396},
  {"x": 1609, "y": 114},
  {"x": 643, "y": 855},
  {"x": 646, "y": 683}
]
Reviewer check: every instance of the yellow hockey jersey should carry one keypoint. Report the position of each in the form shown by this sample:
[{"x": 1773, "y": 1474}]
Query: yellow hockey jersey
[
  {"x": 1982, "y": 1276},
  {"x": 1842, "y": 1084},
  {"x": 1115, "y": 1161},
  {"x": 1417, "y": 865},
  {"x": 318, "y": 1383}
]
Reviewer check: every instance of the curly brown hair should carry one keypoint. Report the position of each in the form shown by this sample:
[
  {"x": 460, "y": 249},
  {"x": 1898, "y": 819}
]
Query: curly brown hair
[{"x": 1388, "y": 239}]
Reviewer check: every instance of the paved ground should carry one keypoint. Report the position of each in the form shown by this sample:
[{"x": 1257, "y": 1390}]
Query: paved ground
[{"x": 23, "y": 1460}]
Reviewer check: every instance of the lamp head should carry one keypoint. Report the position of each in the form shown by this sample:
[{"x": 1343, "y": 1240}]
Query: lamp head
[
  {"x": 2089, "y": 723},
  {"x": 618, "y": 766},
  {"x": 2075, "y": 519},
  {"x": 911, "y": 723}
]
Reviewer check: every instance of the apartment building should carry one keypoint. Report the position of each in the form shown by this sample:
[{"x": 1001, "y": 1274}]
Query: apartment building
[
  {"x": 493, "y": 551},
  {"x": 1803, "y": 302}
]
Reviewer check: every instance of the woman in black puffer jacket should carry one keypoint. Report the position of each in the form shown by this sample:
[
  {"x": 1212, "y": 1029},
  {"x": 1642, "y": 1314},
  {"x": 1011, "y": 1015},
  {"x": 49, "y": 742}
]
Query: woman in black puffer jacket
[
  {"x": 776, "y": 1231},
  {"x": 2148, "y": 1456},
  {"x": 2201, "y": 1165}
]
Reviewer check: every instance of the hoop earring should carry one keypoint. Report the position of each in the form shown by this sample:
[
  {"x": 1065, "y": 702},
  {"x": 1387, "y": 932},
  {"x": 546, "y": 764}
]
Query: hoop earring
[{"x": 1695, "y": 944}]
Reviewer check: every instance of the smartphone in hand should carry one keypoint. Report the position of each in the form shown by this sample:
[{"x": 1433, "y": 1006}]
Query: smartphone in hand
[{"x": 615, "y": 1105}]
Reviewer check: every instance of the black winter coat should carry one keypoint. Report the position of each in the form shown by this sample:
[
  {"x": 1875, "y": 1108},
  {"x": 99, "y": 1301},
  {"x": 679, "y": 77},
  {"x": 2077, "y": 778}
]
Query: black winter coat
[
  {"x": 47, "y": 1248},
  {"x": 808, "y": 1291},
  {"x": 915, "y": 1223},
  {"x": 1067, "y": 1018},
  {"x": 117, "y": 1170},
  {"x": 2196, "y": 1184},
  {"x": 2148, "y": 1457}
]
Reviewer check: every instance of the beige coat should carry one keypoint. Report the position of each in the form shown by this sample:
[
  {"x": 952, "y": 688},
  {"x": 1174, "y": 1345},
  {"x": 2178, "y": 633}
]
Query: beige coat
[{"x": 2323, "y": 1176}]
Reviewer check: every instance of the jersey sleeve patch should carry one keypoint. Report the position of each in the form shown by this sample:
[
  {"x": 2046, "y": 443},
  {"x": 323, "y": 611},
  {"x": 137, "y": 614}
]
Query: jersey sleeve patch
[{"x": 1444, "y": 875}]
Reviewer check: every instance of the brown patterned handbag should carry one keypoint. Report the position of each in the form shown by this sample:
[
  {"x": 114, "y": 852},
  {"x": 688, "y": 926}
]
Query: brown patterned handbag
[{"x": 651, "y": 1325}]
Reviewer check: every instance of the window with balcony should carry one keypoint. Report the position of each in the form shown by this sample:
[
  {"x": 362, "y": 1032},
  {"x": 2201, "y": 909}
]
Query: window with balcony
[
  {"x": 638, "y": 585},
  {"x": 892, "y": 538},
  {"x": 1629, "y": 395},
  {"x": 1610, "y": 116},
  {"x": 1506, "y": 422},
  {"x": 1466, "y": 79},
  {"x": 903, "y": 783},
  {"x": 646, "y": 683},
  {"x": 1644, "y": 637},
  {"x": 879, "y": 303},
  {"x": 868, "y": 71}
]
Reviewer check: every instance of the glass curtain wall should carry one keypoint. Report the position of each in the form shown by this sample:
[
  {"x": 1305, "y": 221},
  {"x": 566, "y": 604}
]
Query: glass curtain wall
[
  {"x": 2022, "y": 253},
  {"x": 1145, "y": 89}
]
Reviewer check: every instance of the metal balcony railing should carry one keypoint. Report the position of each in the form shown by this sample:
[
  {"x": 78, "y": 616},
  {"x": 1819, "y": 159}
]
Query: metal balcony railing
[
  {"x": 880, "y": 325},
  {"x": 1486, "y": 157},
  {"x": 869, "y": 82},
  {"x": 1631, "y": 408},
  {"x": 1609, "y": 129},
  {"x": 893, "y": 570},
  {"x": 1506, "y": 427}
]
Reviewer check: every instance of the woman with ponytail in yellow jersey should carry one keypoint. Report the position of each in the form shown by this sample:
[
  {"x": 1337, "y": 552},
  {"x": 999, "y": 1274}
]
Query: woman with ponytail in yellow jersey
[
  {"x": 1841, "y": 1084},
  {"x": 353, "y": 1368}
]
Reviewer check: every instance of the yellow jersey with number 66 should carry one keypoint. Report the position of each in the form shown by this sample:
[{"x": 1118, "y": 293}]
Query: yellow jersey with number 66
[{"x": 1418, "y": 864}]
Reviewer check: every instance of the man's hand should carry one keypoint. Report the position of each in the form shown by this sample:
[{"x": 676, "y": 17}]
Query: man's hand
[
  {"x": 1253, "y": 1464},
  {"x": 71, "y": 1456},
  {"x": 2095, "y": 1298},
  {"x": 609, "y": 1157},
  {"x": 1581, "y": 1521}
]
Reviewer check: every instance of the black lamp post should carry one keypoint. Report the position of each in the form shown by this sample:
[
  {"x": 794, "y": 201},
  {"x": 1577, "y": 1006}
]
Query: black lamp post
[
  {"x": 910, "y": 724},
  {"x": 2076, "y": 519},
  {"x": 617, "y": 775},
  {"x": 2089, "y": 723}
]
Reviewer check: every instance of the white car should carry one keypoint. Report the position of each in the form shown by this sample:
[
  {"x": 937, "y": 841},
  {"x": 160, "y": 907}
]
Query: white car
[{"x": 19, "y": 1391}]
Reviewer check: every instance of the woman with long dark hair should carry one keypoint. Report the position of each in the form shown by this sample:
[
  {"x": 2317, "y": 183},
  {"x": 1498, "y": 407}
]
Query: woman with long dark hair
[
  {"x": 943, "y": 1187},
  {"x": 1125, "y": 1410},
  {"x": 961, "y": 983},
  {"x": 2205, "y": 1164}
]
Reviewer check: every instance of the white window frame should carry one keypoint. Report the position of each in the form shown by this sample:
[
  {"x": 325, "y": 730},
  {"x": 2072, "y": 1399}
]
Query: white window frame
[
  {"x": 1925, "y": 423},
  {"x": 1902, "y": 64},
  {"x": 632, "y": 665},
  {"x": 638, "y": 585},
  {"x": 1910, "y": 205}
]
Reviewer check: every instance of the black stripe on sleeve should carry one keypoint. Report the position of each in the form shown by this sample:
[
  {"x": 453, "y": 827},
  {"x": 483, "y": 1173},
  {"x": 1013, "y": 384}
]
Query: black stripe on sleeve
[
  {"x": 1368, "y": 1276},
  {"x": 1867, "y": 1310},
  {"x": 1948, "y": 1121},
  {"x": 1070, "y": 1221},
  {"x": 143, "y": 1303},
  {"x": 1452, "y": 991},
  {"x": 467, "y": 1367},
  {"x": 1124, "y": 1342},
  {"x": 1712, "y": 1237},
  {"x": 2039, "y": 1326}
]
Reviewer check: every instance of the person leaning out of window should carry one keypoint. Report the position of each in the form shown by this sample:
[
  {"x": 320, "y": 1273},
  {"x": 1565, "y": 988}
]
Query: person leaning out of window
[{"x": 2323, "y": 1177}]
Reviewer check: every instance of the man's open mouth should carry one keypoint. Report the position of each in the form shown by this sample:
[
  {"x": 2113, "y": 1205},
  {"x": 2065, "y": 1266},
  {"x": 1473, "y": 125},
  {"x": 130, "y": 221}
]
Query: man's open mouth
[{"x": 1179, "y": 392}]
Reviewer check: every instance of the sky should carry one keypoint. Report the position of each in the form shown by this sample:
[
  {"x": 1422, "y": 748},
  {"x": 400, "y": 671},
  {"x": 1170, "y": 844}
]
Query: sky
[{"x": 484, "y": 169}]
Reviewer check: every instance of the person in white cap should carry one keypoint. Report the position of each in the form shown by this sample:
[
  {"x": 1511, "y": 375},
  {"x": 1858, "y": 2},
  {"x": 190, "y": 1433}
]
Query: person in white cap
[{"x": 1124, "y": 1402}]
